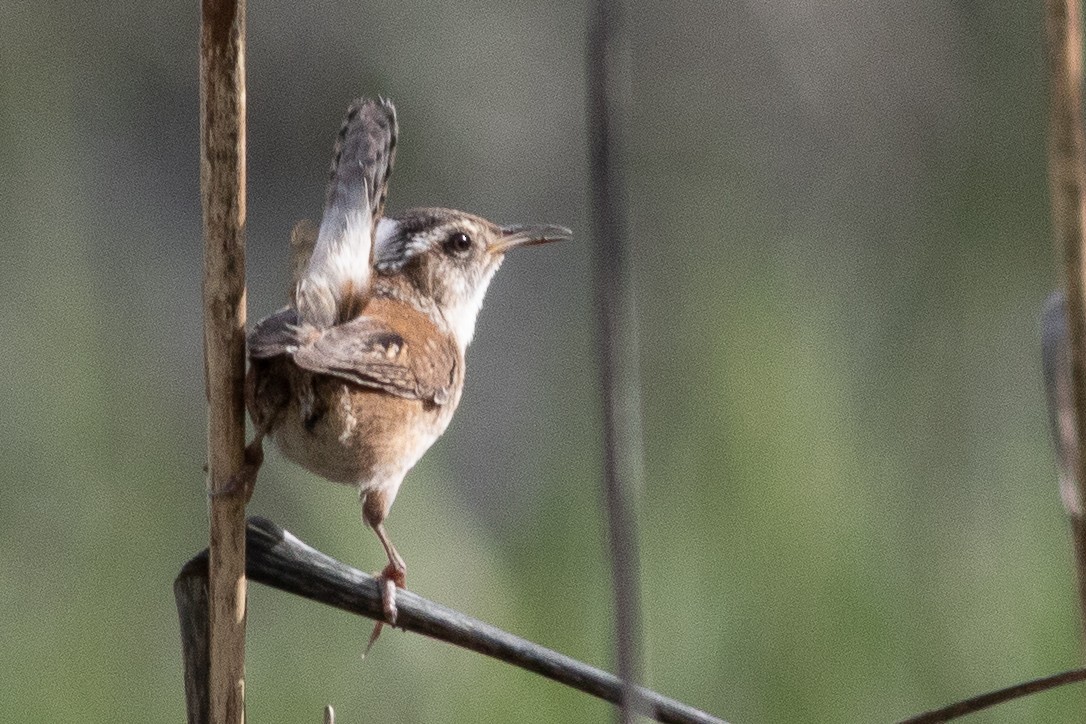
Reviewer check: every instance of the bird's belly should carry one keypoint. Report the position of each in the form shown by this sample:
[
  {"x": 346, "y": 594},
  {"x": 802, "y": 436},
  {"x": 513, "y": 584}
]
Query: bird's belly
[{"x": 358, "y": 436}]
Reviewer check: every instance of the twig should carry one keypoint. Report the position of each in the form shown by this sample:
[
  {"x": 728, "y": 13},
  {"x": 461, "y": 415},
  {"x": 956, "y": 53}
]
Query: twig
[
  {"x": 617, "y": 351},
  {"x": 1067, "y": 179},
  {"x": 278, "y": 559},
  {"x": 222, "y": 184},
  {"x": 983, "y": 701}
]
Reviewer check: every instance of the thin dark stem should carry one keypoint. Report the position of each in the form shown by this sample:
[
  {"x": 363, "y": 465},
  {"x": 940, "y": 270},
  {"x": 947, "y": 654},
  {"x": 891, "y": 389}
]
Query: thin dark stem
[
  {"x": 222, "y": 189},
  {"x": 1067, "y": 179},
  {"x": 190, "y": 594},
  {"x": 278, "y": 559},
  {"x": 983, "y": 701},
  {"x": 617, "y": 351}
]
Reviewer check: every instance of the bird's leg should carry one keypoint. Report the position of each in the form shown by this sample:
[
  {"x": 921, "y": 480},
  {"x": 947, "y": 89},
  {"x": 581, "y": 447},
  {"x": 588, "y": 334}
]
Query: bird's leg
[
  {"x": 254, "y": 458},
  {"x": 374, "y": 509},
  {"x": 393, "y": 575},
  {"x": 244, "y": 480}
]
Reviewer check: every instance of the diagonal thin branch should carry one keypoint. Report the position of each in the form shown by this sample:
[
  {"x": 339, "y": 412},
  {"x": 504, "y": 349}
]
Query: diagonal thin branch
[
  {"x": 623, "y": 473},
  {"x": 222, "y": 187},
  {"x": 278, "y": 559},
  {"x": 983, "y": 701}
]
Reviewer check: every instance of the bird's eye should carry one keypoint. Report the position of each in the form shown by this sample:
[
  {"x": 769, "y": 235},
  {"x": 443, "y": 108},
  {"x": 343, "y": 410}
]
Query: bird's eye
[{"x": 458, "y": 243}]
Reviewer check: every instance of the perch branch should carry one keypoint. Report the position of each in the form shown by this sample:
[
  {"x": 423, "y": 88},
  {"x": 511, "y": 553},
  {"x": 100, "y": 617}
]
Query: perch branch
[
  {"x": 1067, "y": 178},
  {"x": 222, "y": 186},
  {"x": 616, "y": 334},
  {"x": 278, "y": 559},
  {"x": 983, "y": 701}
]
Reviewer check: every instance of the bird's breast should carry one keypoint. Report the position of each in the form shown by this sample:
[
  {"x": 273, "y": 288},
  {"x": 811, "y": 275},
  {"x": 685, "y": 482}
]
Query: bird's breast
[{"x": 357, "y": 435}]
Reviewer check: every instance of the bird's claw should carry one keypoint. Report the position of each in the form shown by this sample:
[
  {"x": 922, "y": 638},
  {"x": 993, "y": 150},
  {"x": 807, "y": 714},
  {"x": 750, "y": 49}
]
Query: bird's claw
[{"x": 391, "y": 578}]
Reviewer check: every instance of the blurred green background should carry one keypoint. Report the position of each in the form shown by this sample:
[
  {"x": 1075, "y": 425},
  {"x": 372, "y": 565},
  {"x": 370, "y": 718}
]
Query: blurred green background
[{"x": 841, "y": 250}]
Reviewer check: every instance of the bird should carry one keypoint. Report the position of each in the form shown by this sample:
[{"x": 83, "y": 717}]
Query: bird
[{"x": 362, "y": 371}]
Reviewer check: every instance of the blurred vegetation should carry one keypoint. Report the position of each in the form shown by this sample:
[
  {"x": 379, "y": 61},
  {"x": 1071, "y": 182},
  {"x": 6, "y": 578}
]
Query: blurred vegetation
[{"x": 842, "y": 247}]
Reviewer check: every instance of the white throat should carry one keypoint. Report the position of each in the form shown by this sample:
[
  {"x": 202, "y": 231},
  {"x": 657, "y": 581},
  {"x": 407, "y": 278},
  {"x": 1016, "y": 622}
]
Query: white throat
[{"x": 461, "y": 317}]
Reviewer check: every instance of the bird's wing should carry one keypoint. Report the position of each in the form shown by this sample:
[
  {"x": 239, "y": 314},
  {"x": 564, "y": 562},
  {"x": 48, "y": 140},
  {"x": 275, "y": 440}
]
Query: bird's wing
[
  {"x": 367, "y": 352},
  {"x": 336, "y": 281},
  {"x": 275, "y": 335},
  {"x": 303, "y": 237}
]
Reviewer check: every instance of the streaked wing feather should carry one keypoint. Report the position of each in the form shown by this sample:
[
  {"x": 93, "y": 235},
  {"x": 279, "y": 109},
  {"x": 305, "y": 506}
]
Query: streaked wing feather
[
  {"x": 275, "y": 335},
  {"x": 368, "y": 353},
  {"x": 303, "y": 238},
  {"x": 336, "y": 281},
  {"x": 363, "y": 156}
]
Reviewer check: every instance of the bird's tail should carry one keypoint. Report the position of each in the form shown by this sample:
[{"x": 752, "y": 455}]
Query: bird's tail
[{"x": 336, "y": 281}]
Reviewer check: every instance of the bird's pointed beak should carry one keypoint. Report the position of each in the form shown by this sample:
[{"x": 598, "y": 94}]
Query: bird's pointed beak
[{"x": 517, "y": 235}]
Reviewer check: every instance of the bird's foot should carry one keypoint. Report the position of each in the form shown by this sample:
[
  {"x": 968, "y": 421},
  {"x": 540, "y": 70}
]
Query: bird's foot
[
  {"x": 391, "y": 578},
  {"x": 243, "y": 482}
]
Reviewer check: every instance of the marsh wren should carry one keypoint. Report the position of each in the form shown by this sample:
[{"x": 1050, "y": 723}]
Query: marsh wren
[{"x": 361, "y": 373}]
